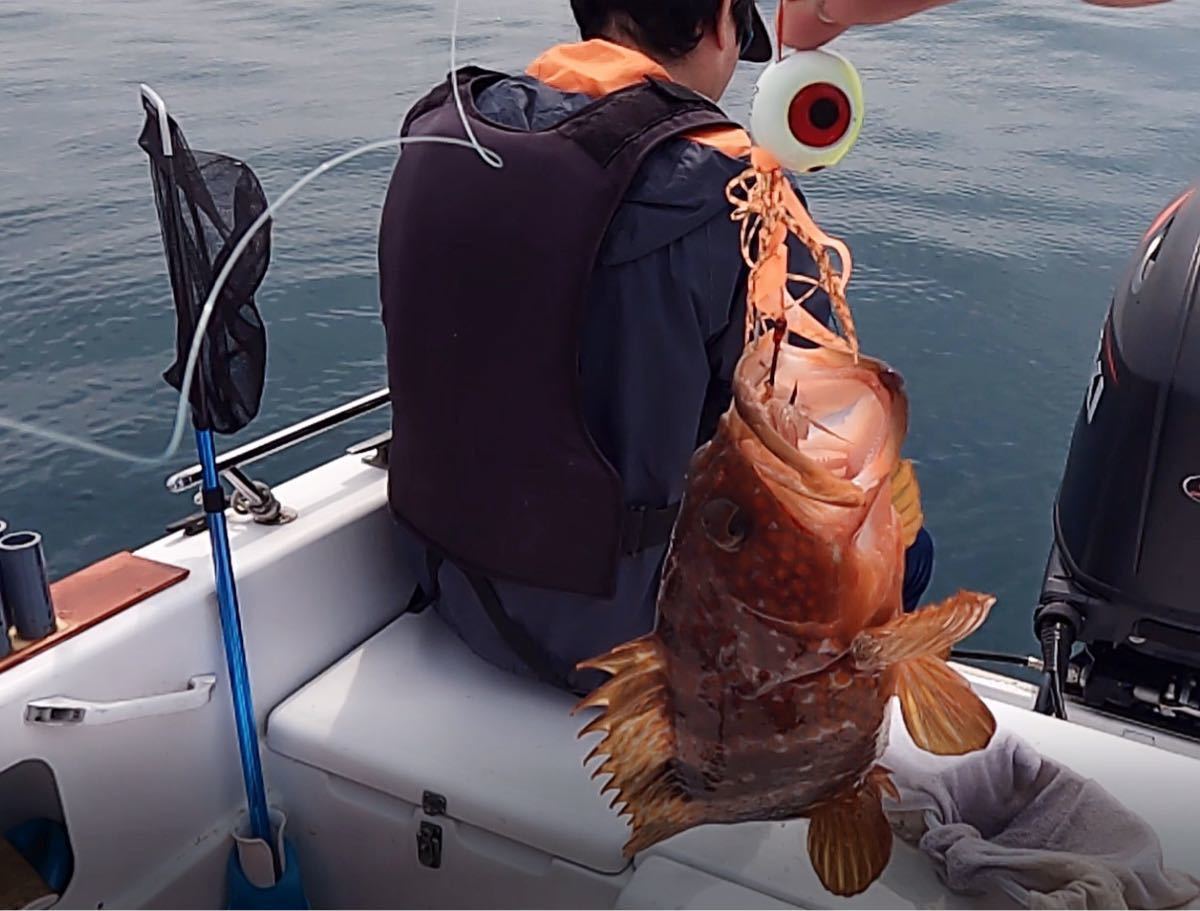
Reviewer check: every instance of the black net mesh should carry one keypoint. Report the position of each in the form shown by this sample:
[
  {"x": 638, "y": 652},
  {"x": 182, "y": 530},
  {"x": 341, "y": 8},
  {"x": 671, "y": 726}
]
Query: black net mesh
[{"x": 206, "y": 202}]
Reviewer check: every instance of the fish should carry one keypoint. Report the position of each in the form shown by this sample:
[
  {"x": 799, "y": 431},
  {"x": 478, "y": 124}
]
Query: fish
[{"x": 764, "y": 690}]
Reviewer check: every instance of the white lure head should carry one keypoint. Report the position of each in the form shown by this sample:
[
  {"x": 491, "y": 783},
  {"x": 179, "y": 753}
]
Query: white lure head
[{"x": 808, "y": 110}]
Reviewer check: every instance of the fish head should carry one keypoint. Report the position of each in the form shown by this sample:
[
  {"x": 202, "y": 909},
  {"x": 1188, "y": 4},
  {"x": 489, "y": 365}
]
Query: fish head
[
  {"x": 796, "y": 522},
  {"x": 832, "y": 424}
]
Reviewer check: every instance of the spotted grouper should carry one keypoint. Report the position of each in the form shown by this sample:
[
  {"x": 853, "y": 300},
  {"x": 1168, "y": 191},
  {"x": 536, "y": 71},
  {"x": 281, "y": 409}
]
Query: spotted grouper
[{"x": 763, "y": 692}]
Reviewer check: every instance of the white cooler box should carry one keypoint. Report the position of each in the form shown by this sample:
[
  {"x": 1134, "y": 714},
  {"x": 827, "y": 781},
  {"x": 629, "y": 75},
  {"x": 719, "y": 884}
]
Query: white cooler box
[{"x": 416, "y": 775}]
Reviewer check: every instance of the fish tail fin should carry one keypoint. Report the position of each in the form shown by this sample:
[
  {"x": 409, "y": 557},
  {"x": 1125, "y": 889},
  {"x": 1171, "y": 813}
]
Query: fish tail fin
[
  {"x": 942, "y": 713},
  {"x": 849, "y": 838},
  {"x": 930, "y": 630},
  {"x": 639, "y": 742}
]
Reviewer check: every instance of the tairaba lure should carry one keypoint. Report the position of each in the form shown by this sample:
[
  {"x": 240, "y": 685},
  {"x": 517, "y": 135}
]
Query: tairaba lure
[{"x": 764, "y": 689}]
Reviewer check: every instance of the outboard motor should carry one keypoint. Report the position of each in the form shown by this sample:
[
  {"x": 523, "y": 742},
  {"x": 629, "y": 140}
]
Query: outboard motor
[{"x": 1123, "y": 576}]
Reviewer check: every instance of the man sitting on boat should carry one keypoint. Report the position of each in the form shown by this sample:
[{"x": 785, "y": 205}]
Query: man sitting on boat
[{"x": 536, "y": 485}]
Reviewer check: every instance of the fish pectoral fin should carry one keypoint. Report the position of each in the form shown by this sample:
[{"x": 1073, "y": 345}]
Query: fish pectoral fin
[
  {"x": 941, "y": 711},
  {"x": 850, "y": 840},
  {"x": 929, "y": 630},
  {"x": 943, "y": 714}
]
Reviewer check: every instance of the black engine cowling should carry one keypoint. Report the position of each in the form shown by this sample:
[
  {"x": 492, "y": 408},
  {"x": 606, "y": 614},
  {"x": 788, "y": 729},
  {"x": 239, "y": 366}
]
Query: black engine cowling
[{"x": 1124, "y": 571}]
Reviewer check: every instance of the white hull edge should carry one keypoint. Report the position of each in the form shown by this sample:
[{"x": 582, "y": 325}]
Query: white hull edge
[{"x": 150, "y": 802}]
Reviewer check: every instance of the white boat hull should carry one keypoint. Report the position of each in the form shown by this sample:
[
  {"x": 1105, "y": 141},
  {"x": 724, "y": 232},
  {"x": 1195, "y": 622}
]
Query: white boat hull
[{"x": 367, "y": 712}]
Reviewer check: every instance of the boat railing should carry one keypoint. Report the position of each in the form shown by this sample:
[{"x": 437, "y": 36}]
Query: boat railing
[{"x": 255, "y": 498}]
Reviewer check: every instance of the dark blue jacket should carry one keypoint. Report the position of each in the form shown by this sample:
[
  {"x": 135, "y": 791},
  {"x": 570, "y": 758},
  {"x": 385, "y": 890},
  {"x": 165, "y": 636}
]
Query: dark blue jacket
[{"x": 663, "y": 331}]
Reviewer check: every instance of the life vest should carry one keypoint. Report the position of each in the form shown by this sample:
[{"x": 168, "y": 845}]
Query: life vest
[{"x": 484, "y": 278}]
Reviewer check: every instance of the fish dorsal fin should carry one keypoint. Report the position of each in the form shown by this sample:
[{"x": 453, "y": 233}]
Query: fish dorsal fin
[
  {"x": 906, "y": 497},
  {"x": 930, "y": 630}
]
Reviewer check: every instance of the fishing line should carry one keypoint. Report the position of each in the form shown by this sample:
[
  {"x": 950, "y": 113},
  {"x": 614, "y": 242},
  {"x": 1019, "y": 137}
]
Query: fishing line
[{"x": 489, "y": 157}]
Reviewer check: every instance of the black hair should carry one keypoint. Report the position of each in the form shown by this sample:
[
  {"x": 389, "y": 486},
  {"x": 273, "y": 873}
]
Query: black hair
[{"x": 666, "y": 28}]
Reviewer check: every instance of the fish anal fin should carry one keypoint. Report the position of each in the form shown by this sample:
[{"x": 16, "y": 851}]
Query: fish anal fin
[
  {"x": 929, "y": 630},
  {"x": 849, "y": 838},
  {"x": 942, "y": 713}
]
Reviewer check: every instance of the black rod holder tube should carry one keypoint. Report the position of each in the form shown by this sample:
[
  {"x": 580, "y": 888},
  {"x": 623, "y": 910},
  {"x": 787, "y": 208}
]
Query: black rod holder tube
[
  {"x": 5, "y": 643},
  {"x": 25, "y": 586}
]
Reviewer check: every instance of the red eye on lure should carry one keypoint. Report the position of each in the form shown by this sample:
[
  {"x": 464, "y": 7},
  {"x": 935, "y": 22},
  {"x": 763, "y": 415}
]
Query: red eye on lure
[{"x": 820, "y": 115}]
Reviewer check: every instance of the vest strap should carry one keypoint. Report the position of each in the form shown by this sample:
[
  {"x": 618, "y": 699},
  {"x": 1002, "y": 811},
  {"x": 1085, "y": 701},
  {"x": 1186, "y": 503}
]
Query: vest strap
[
  {"x": 514, "y": 635},
  {"x": 646, "y": 528}
]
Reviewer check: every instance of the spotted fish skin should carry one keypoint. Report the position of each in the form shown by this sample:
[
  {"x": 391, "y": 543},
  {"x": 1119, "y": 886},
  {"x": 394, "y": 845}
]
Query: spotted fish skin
[
  {"x": 763, "y": 692},
  {"x": 773, "y": 715}
]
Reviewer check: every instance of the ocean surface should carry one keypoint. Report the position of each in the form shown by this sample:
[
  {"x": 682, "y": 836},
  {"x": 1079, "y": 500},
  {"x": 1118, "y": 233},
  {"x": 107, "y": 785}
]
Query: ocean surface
[{"x": 1013, "y": 153}]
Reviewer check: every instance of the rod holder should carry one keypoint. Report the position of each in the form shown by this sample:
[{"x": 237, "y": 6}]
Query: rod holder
[
  {"x": 5, "y": 643},
  {"x": 25, "y": 586}
]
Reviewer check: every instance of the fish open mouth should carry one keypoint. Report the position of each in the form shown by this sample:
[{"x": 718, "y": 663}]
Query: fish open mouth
[{"x": 822, "y": 412}]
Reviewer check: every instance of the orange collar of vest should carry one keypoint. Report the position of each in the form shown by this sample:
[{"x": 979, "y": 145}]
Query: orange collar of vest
[{"x": 597, "y": 67}]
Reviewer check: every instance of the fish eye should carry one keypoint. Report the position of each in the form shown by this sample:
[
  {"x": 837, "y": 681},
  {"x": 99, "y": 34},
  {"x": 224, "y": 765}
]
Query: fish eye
[{"x": 724, "y": 524}]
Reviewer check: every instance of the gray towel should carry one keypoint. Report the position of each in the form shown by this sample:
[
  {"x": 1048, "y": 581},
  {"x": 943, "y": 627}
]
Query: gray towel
[{"x": 1007, "y": 818}]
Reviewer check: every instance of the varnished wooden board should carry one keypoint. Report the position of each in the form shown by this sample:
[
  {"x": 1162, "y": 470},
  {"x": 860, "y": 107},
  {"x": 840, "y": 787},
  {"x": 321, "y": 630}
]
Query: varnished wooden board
[
  {"x": 85, "y": 598},
  {"x": 20, "y": 885}
]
